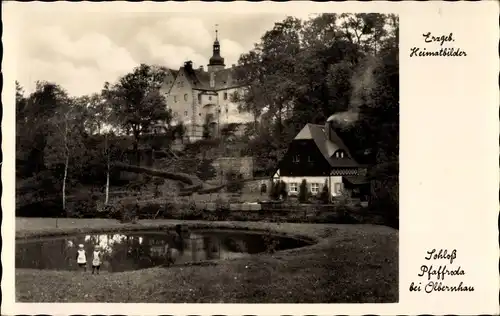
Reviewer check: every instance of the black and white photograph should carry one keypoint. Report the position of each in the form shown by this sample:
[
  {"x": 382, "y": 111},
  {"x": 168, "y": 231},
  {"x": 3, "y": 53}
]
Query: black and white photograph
[{"x": 207, "y": 157}]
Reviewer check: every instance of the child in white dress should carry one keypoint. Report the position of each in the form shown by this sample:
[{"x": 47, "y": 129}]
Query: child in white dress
[
  {"x": 81, "y": 258},
  {"x": 96, "y": 260}
]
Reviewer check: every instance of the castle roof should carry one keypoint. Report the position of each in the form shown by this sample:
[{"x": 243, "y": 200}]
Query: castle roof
[{"x": 224, "y": 79}]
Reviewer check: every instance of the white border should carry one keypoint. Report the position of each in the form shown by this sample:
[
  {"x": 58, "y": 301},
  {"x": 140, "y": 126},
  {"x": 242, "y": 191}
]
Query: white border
[{"x": 449, "y": 155}]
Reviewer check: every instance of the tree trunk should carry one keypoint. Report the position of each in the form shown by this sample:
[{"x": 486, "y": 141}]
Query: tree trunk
[
  {"x": 64, "y": 182},
  {"x": 107, "y": 172}
]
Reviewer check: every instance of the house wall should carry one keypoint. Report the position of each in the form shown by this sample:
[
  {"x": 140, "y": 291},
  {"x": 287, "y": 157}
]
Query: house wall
[
  {"x": 180, "y": 101},
  {"x": 334, "y": 182}
]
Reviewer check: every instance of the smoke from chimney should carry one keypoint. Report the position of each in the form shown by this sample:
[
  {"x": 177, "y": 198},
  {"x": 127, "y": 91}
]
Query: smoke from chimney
[{"x": 362, "y": 83}]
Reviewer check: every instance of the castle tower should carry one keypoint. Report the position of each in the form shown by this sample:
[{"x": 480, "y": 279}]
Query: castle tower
[{"x": 216, "y": 61}]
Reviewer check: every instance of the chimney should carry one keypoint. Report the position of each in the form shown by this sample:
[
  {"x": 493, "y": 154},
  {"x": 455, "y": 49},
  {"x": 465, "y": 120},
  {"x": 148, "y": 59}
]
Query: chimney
[
  {"x": 201, "y": 68},
  {"x": 188, "y": 65}
]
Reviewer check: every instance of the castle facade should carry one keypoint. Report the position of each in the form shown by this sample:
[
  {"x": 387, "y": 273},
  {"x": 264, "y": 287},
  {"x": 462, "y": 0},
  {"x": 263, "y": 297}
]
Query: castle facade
[{"x": 199, "y": 97}]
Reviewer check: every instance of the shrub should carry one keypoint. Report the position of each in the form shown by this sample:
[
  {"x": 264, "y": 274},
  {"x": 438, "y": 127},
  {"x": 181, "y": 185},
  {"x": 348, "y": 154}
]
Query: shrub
[
  {"x": 282, "y": 190},
  {"x": 324, "y": 195},
  {"x": 303, "y": 192},
  {"x": 235, "y": 183},
  {"x": 205, "y": 171},
  {"x": 274, "y": 192}
]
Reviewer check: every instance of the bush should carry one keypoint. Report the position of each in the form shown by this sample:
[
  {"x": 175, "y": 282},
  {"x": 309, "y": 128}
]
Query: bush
[
  {"x": 274, "y": 192},
  {"x": 303, "y": 192},
  {"x": 324, "y": 195},
  {"x": 283, "y": 190},
  {"x": 235, "y": 183}
]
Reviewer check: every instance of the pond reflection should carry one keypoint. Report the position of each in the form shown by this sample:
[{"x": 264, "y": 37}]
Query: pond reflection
[{"x": 140, "y": 250}]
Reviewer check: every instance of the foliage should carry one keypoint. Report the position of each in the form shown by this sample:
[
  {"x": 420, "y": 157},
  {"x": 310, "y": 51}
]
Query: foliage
[
  {"x": 283, "y": 190},
  {"x": 324, "y": 195},
  {"x": 137, "y": 102},
  {"x": 234, "y": 181},
  {"x": 274, "y": 192},
  {"x": 303, "y": 192},
  {"x": 205, "y": 170}
]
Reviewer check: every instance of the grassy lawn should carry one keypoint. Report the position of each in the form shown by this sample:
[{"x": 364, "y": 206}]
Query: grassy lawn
[{"x": 348, "y": 264}]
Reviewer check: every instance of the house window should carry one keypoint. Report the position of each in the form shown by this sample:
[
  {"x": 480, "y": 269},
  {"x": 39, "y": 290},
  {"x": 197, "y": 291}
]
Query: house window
[
  {"x": 199, "y": 98},
  {"x": 293, "y": 187},
  {"x": 225, "y": 95},
  {"x": 309, "y": 159},
  {"x": 339, "y": 187},
  {"x": 185, "y": 97},
  {"x": 227, "y": 110},
  {"x": 209, "y": 98},
  {"x": 175, "y": 98},
  {"x": 314, "y": 188},
  {"x": 185, "y": 113},
  {"x": 295, "y": 158},
  {"x": 181, "y": 83}
]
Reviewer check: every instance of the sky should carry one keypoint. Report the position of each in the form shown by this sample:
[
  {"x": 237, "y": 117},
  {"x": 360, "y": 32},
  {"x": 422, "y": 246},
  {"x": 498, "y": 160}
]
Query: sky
[{"x": 82, "y": 50}]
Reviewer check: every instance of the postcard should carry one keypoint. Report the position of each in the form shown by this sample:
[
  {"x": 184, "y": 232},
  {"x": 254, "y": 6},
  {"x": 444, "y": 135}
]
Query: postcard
[{"x": 265, "y": 158}]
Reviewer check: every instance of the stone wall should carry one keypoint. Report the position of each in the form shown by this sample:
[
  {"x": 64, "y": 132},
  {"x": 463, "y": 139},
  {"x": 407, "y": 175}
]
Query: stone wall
[{"x": 243, "y": 165}]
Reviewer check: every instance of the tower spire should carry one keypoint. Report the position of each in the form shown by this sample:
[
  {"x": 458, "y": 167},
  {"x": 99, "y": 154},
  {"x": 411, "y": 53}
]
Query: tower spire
[{"x": 216, "y": 61}]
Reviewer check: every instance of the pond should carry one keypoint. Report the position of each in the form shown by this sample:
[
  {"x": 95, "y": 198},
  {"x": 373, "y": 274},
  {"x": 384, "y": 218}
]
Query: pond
[{"x": 139, "y": 250}]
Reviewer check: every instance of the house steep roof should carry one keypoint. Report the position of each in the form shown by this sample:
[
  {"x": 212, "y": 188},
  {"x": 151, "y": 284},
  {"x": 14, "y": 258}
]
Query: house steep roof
[{"x": 326, "y": 146}]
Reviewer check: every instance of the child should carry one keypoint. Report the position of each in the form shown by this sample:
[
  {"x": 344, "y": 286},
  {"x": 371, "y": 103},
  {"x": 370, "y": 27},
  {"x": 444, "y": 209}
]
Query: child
[
  {"x": 81, "y": 258},
  {"x": 96, "y": 261}
]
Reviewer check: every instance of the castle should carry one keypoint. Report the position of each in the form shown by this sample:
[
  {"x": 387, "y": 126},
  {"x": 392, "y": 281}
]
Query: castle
[{"x": 199, "y": 97}]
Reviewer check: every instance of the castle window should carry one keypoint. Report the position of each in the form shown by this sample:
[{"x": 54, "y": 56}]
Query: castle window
[
  {"x": 199, "y": 98},
  {"x": 309, "y": 159},
  {"x": 295, "y": 158},
  {"x": 181, "y": 83},
  {"x": 209, "y": 98},
  {"x": 199, "y": 114},
  {"x": 185, "y": 97},
  {"x": 175, "y": 98},
  {"x": 185, "y": 113},
  {"x": 225, "y": 95}
]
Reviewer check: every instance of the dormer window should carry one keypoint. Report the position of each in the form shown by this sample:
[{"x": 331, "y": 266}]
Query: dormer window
[{"x": 339, "y": 154}]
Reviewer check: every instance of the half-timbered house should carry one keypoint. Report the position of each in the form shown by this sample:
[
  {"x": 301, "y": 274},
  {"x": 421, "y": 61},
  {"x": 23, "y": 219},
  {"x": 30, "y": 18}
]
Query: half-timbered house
[{"x": 319, "y": 156}]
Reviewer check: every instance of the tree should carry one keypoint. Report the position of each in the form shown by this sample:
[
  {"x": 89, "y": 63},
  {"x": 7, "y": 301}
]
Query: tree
[
  {"x": 303, "y": 192},
  {"x": 65, "y": 143},
  {"x": 137, "y": 102}
]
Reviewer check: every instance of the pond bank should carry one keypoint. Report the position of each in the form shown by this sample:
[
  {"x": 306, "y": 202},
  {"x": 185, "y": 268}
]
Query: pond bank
[{"x": 348, "y": 264}]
